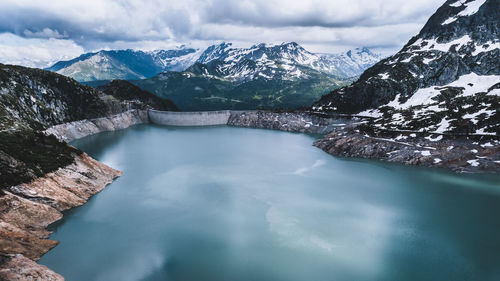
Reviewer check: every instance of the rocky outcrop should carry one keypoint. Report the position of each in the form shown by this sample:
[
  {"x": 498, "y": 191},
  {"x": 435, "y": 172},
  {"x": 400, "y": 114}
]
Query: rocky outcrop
[
  {"x": 79, "y": 129},
  {"x": 26, "y": 210},
  {"x": 20, "y": 268},
  {"x": 459, "y": 154},
  {"x": 300, "y": 122}
]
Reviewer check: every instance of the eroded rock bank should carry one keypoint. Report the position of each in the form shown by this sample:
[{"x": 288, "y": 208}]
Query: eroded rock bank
[
  {"x": 26, "y": 210},
  {"x": 300, "y": 122},
  {"x": 351, "y": 137},
  {"x": 79, "y": 129}
]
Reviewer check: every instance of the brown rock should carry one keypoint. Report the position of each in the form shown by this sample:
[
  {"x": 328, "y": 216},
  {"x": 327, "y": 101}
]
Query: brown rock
[
  {"x": 20, "y": 268},
  {"x": 28, "y": 209}
]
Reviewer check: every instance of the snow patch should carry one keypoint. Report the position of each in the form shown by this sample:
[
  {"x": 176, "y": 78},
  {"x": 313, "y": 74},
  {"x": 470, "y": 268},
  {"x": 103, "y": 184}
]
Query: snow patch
[
  {"x": 473, "y": 163},
  {"x": 426, "y": 153}
]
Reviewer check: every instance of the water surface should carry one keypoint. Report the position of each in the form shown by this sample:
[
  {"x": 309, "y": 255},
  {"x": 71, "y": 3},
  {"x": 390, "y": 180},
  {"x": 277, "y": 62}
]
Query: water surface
[{"x": 233, "y": 204}]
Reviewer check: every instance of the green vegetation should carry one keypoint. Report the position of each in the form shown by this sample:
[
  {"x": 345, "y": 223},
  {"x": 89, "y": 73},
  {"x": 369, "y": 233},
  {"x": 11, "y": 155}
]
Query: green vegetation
[
  {"x": 26, "y": 155},
  {"x": 191, "y": 92}
]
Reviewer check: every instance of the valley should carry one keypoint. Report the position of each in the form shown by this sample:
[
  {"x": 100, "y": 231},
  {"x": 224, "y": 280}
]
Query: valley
[{"x": 302, "y": 164}]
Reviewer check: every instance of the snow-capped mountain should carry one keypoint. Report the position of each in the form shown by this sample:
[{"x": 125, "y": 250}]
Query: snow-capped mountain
[
  {"x": 284, "y": 61},
  {"x": 288, "y": 61},
  {"x": 125, "y": 64},
  {"x": 262, "y": 76},
  {"x": 444, "y": 80}
]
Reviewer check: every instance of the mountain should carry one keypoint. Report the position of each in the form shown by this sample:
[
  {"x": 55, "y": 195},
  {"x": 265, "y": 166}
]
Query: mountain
[
  {"x": 283, "y": 61},
  {"x": 353, "y": 62},
  {"x": 224, "y": 77},
  {"x": 262, "y": 76},
  {"x": 133, "y": 65},
  {"x": 125, "y": 64},
  {"x": 446, "y": 79}
]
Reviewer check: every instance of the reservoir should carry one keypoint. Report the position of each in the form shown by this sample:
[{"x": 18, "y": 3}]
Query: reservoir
[{"x": 225, "y": 203}]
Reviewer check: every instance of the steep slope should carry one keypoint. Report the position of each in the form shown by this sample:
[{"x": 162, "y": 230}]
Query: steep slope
[
  {"x": 128, "y": 92},
  {"x": 445, "y": 79},
  {"x": 125, "y": 64},
  {"x": 34, "y": 98}
]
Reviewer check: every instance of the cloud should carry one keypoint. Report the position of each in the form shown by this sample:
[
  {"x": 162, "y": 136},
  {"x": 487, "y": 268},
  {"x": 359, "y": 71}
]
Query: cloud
[
  {"x": 323, "y": 25},
  {"x": 45, "y": 33},
  {"x": 36, "y": 52}
]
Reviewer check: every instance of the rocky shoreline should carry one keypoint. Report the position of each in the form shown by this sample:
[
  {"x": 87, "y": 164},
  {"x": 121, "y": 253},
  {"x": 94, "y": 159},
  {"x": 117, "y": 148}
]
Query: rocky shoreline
[
  {"x": 79, "y": 129},
  {"x": 26, "y": 210},
  {"x": 349, "y": 137}
]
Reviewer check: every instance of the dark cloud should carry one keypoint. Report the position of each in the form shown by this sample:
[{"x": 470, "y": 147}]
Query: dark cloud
[{"x": 95, "y": 24}]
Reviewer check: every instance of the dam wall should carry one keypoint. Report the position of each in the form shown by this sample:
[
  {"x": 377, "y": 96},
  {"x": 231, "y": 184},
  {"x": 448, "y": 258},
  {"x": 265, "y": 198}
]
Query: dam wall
[{"x": 202, "y": 118}]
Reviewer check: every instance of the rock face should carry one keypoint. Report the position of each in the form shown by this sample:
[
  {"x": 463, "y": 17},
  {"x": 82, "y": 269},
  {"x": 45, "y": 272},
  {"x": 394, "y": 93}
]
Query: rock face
[
  {"x": 300, "y": 122},
  {"x": 26, "y": 210},
  {"x": 458, "y": 154},
  {"x": 445, "y": 79},
  {"x": 36, "y": 99},
  {"x": 20, "y": 268},
  {"x": 79, "y": 129}
]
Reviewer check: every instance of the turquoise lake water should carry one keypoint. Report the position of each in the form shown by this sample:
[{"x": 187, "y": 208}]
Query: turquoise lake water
[{"x": 222, "y": 203}]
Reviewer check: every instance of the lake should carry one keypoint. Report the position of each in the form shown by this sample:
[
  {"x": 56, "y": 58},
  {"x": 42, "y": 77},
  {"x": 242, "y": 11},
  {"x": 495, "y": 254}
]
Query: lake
[{"x": 224, "y": 203}]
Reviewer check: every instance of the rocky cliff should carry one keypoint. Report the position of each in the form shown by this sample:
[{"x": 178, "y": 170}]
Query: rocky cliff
[
  {"x": 27, "y": 209},
  {"x": 300, "y": 122},
  {"x": 82, "y": 128}
]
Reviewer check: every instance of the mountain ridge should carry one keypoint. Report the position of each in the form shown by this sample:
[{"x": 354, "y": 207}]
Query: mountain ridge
[
  {"x": 114, "y": 64},
  {"x": 445, "y": 79}
]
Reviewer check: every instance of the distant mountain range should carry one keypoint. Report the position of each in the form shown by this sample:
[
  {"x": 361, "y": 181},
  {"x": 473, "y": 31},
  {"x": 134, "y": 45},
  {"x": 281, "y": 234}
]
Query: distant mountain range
[
  {"x": 133, "y": 65},
  {"x": 262, "y": 76},
  {"x": 444, "y": 80},
  {"x": 225, "y": 77}
]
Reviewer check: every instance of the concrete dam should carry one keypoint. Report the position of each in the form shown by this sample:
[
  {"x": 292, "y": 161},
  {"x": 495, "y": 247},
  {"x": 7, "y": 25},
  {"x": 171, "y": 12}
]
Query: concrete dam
[{"x": 201, "y": 118}]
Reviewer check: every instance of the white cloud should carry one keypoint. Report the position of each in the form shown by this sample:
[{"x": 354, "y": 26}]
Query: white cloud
[{"x": 36, "y": 52}]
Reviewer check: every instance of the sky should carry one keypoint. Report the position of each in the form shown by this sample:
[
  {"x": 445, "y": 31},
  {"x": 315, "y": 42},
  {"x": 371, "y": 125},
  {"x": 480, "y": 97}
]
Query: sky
[{"x": 38, "y": 33}]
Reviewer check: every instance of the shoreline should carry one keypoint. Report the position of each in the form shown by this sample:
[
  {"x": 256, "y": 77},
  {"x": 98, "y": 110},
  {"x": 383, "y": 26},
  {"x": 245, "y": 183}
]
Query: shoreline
[
  {"x": 26, "y": 210},
  {"x": 29, "y": 208},
  {"x": 460, "y": 154}
]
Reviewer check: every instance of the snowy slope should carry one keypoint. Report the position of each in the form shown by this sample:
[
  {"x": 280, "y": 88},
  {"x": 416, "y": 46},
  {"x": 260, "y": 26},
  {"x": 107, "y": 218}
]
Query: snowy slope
[
  {"x": 287, "y": 61},
  {"x": 446, "y": 79}
]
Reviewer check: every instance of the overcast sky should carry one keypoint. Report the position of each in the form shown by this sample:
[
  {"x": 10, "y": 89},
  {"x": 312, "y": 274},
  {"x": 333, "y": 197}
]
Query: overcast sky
[{"x": 38, "y": 33}]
